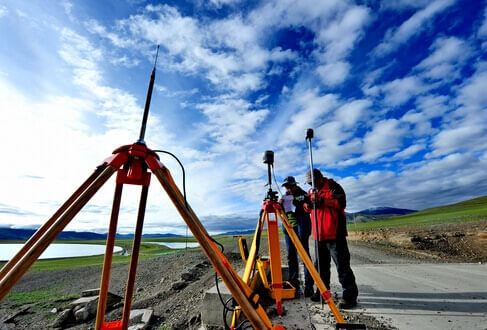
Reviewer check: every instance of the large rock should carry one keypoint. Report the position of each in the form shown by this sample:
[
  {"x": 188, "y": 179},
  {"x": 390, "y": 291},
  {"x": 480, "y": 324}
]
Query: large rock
[
  {"x": 64, "y": 318},
  {"x": 140, "y": 318}
]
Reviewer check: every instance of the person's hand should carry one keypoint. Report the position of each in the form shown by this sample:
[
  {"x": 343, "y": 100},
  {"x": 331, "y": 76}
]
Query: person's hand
[{"x": 313, "y": 196}]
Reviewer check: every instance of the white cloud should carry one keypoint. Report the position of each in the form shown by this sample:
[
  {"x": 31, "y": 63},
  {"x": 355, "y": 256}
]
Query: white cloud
[
  {"x": 409, "y": 151},
  {"x": 421, "y": 185},
  {"x": 340, "y": 36},
  {"x": 353, "y": 112},
  {"x": 459, "y": 139},
  {"x": 386, "y": 136},
  {"x": 447, "y": 59},
  {"x": 473, "y": 92},
  {"x": 3, "y": 11},
  {"x": 399, "y": 91},
  {"x": 231, "y": 121},
  {"x": 310, "y": 109},
  {"x": 413, "y": 26},
  {"x": 333, "y": 74},
  {"x": 432, "y": 106},
  {"x": 221, "y": 3},
  {"x": 95, "y": 27}
]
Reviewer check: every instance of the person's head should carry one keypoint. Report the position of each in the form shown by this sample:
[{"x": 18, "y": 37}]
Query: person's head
[
  {"x": 318, "y": 176},
  {"x": 290, "y": 184}
]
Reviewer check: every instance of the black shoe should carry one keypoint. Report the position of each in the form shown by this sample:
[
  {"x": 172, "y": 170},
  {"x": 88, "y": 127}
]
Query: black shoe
[
  {"x": 347, "y": 304},
  {"x": 308, "y": 292},
  {"x": 316, "y": 296}
]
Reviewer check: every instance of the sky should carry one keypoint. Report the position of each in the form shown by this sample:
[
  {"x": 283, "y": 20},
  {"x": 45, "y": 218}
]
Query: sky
[{"x": 395, "y": 92}]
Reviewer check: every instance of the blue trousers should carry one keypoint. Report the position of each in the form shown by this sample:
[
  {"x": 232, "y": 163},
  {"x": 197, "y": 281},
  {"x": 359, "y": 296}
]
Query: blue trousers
[
  {"x": 292, "y": 258},
  {"x": 337, "y": 250}
]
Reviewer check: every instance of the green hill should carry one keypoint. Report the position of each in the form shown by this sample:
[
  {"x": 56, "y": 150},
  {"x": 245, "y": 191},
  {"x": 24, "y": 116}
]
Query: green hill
[{"x": 470, "y": 210}]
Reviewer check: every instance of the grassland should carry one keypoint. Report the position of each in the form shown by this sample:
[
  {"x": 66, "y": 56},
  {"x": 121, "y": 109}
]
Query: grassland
[{"x": 471, "y": 210}]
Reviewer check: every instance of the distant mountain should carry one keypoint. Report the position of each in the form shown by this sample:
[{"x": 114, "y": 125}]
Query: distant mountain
[
  {"x": 10, "y": 234},
  {"x": 238, "y": 232},
  {"x": 385, "y": 210},
  {"x": 130, "y": 236},
  {"x": 376, "y": 213}
]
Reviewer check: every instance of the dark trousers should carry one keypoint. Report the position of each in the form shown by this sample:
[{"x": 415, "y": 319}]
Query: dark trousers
[
  {"x": 338, "y": 250},
  {"x": 292, "y": 258}
]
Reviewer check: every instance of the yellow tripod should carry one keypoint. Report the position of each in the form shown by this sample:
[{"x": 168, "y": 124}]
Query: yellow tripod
[{"x": 270, "y": 213}]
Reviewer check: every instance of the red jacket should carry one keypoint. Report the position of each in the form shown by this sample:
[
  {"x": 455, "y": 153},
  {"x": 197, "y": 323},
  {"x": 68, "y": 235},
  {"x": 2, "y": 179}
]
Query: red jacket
[{"x": 331, "y": 220}]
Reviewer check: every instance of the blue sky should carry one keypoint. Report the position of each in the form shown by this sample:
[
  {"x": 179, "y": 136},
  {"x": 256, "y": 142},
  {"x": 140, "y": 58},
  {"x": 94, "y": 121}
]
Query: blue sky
[{"x": 394, "y": 90}]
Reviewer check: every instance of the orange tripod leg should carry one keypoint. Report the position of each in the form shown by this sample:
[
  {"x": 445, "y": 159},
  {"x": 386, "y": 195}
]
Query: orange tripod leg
[
  {"x": 30, "y": 256},
  {"x": 107, "y": 263},
  {"x": 134, "y": 259},
  {"x": 275, "y": 258},
  {"x": 325, "y": 292},
  {"x": 239, "y": 290}
]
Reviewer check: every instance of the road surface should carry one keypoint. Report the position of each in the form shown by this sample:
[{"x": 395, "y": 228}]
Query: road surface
[{"x": 408, "y": 293}]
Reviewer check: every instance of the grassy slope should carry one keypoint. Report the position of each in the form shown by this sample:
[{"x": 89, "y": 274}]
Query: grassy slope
[{"x": 471, "y": 210}]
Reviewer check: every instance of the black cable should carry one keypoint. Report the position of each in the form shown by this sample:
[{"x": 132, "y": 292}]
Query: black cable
[
  {"x": 184, "y": 181},
  {"x": 275, "y": 181},
  {"x": 184, "y": 174}
]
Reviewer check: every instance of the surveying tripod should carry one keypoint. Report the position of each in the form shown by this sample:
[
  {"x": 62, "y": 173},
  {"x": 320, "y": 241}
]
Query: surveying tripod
[
  {"x": 132, "y": 164},
  {"x": 271, "y": 212}
]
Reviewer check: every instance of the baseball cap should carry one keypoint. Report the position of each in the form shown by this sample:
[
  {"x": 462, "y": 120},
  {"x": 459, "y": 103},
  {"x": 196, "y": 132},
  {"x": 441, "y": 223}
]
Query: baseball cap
[{"x": 289, "y": 181}]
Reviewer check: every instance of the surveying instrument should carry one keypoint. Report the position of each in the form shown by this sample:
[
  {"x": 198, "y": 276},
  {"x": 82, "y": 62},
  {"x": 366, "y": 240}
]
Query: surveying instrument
[
  {"x": 134, "y": 165},
  {"x": 257, "y": 267}
]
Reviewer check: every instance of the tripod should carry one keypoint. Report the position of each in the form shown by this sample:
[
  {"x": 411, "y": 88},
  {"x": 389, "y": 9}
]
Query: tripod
[
  {"x": 271, "y": 212},
  {"x": 132, "y": 164}
]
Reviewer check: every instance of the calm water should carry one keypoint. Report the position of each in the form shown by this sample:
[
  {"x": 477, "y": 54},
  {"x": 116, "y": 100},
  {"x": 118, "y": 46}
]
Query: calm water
[
  {"x": 7, "y": 251},
  {"x": 176, "y": 245}
]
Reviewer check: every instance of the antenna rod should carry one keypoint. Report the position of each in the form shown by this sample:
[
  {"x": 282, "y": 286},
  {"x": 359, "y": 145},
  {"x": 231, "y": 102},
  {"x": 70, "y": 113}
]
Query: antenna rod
[{"x": 147, "y": 100}]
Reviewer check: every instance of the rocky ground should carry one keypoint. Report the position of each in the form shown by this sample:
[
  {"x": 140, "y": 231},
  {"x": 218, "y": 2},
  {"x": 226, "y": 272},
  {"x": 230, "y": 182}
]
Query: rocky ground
[
  {"x": 174, "y": 285},
  {"x": 455, "y": 242}
]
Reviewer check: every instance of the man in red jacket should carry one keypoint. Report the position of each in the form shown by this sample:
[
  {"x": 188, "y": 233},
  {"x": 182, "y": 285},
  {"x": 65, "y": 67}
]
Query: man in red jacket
[{"x": 330, "y": 202}]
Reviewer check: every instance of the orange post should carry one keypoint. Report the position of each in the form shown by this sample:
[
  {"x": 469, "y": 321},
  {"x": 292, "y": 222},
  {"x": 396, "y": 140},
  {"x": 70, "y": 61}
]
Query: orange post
[
  {"x": 129, "y": 291},
  {"x": 107, "y": 262},
  {"x": 275, "y": 257}
]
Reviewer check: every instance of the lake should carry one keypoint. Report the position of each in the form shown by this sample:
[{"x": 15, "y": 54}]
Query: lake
[
  {"x": 7, "y": 251},
  {"x": 176, "y": 245}
]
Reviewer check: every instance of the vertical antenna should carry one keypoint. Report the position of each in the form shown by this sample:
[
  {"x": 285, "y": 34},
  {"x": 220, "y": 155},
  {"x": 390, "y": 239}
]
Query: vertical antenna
[{"x": 147, "y": 101}]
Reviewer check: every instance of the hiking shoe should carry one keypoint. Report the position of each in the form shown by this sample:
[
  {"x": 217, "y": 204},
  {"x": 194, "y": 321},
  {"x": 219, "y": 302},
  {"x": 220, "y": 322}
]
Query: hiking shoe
[
  {"x": 308, "y": 292},
  {"x": 346, "y": 304},
  {"x": 316, "y": 296}
]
